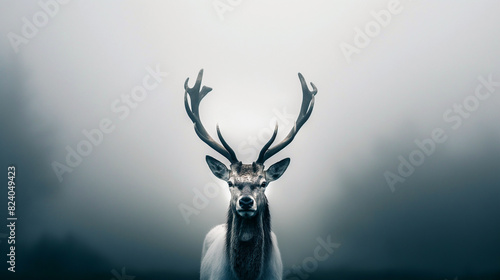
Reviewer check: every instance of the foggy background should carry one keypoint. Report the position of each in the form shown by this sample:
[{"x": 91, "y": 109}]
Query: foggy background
[{"x": 120, "y": 207}]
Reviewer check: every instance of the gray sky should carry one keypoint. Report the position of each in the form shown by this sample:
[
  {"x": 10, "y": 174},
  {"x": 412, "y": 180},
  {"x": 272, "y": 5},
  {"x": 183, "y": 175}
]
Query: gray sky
[{"x": 123, "y": 199}]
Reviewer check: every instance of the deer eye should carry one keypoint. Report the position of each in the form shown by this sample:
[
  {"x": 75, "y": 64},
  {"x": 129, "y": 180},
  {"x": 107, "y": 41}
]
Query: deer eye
[
  {"x": 230, "y": 184},
  {"x": 263, "y": 184}
]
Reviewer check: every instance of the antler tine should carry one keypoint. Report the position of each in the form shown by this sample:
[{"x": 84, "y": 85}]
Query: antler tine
[
  {"x": 224, "y": 143},
  {"x": 304, "y": 114},
  {"x": 192, "y": 109},
  {"x": 267, "y": 145}
]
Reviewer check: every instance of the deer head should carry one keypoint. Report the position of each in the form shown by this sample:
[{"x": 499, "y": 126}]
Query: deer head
[{"x": 247, "y": 182}]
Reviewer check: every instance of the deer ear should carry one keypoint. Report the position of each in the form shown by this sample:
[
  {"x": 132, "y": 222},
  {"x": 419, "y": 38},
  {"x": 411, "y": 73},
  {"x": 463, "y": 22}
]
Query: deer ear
[
  {"x": 218, "y": 168},
  {"x": 277, "y": 169}
]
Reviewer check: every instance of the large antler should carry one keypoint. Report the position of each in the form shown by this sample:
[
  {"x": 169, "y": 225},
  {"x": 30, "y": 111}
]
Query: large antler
[
  {"x": 305, "y": 112},
  {"x": 195, "y": 96}
]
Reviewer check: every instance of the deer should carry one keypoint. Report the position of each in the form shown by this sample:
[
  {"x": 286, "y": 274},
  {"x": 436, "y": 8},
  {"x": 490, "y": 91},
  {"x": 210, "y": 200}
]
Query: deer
[{"x": 244, "y": 248}]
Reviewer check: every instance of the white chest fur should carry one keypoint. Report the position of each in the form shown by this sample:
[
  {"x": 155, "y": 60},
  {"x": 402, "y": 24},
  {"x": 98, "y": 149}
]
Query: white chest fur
[{"x": 215, "y": 264}]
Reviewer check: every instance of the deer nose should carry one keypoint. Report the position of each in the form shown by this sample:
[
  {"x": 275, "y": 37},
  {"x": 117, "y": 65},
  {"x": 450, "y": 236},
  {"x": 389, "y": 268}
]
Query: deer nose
[{"x": 246, "y": 202}]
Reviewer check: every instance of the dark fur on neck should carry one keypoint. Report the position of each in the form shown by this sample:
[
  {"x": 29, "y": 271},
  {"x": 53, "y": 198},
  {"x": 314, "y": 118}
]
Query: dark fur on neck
[{"x": 248, "y": 258}]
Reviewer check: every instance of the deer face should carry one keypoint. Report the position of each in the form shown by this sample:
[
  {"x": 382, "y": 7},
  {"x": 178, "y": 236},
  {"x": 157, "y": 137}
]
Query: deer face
[{"x": 247, "y": 183}]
